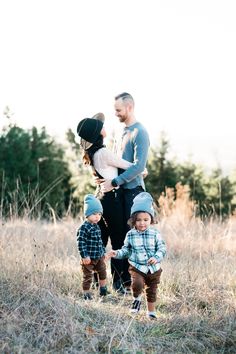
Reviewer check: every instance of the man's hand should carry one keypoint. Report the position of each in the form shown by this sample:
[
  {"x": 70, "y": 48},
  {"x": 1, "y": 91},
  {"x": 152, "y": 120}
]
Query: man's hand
[
  {"x": 145, "y": 173},
  {"x": 106, "y": 186},
  {"x": 86, "y": 260}
]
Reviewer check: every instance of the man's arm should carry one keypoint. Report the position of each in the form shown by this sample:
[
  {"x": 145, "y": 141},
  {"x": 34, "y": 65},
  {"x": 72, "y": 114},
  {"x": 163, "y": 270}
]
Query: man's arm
[{"x": 141, "y": 146}]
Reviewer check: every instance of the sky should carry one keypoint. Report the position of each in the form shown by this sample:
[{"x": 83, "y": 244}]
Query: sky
[{"x": 64, "y": 60}]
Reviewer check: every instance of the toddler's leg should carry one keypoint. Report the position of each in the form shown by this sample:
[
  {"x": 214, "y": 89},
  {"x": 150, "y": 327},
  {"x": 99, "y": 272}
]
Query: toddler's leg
[
  {"x": 87, "y": 280},
  {"x": 87, "y": 276},
  {"x": 137, "y": 282},
  {"x": 152, "y": 281},
  {"x": 102, "y": 273}
]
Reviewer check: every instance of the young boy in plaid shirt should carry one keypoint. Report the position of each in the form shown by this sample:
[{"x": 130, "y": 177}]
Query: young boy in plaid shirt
[
  {"x": 145, "y": 249},
  {"x": 91, "y": 247}
]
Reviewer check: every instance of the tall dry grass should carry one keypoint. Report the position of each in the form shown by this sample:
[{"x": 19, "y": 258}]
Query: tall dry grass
[{"x": 42, "y": 310}]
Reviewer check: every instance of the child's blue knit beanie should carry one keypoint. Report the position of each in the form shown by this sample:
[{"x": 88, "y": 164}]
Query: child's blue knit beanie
[
  {"x": 143, "y": 202},
  {"x": 92, "y": 205}
]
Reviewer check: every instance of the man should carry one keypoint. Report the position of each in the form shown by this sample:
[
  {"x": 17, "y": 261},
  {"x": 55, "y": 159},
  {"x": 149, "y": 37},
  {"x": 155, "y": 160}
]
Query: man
[{"x": 135, "y": 146}]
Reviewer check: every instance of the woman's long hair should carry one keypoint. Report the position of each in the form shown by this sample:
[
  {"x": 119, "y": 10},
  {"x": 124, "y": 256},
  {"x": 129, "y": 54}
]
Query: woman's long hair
[{"x": 88, "y": 154}]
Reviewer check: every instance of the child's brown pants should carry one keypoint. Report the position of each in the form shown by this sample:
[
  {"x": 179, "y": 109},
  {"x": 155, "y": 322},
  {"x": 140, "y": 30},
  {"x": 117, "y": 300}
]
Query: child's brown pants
[
  {"x": 97, "y": 265},
  {"x": 148, "y": 281}
]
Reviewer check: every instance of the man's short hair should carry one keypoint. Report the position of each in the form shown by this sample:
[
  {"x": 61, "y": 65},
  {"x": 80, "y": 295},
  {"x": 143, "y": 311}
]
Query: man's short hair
[{"x": 125, "y": 96}]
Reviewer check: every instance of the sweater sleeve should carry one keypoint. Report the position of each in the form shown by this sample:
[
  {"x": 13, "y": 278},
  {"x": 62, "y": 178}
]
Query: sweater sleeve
[
  {"x": 160, "y": 248},
  {"x": 141, "y": 146},
  {"x": 82, "y": 241},
  {"x": 125, "y": 251}
]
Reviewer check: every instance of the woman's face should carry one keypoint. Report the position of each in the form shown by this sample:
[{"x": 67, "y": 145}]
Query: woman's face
[{"x": 103, "y": 132}]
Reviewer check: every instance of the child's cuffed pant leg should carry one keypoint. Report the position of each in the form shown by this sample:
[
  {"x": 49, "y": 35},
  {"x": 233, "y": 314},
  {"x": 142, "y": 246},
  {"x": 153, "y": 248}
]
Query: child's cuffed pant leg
[
  {"x": 152, "y": 281},
  {"x": 87, "y": 276},
  {"x": 137, "y": 281},
  {"x": 100, "y": 268}
]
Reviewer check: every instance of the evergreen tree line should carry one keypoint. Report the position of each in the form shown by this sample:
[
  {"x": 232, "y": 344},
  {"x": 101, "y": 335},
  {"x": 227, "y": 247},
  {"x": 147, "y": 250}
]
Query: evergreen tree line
[{"x": 39, "y": 179}]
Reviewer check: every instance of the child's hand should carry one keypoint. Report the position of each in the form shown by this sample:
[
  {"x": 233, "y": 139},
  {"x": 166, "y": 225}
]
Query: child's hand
[
  {"x": 86, "y": 260},
  {"x": 152, "y": 260},
  {"x": 111, "y": 254},
  {"x": 106, "y": 257}
]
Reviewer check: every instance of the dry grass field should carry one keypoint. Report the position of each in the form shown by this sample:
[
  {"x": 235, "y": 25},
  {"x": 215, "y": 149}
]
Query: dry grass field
[{"x": 42, "y": 310}]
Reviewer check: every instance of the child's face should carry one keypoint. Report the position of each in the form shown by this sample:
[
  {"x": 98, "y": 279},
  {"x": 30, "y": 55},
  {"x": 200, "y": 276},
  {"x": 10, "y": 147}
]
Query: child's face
[
  {"x": 143, "y": 221},
  {"x": 94, "y": 218}
]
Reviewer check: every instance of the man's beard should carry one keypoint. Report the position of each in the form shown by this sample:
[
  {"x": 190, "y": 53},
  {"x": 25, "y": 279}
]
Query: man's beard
[{"x": 122, "y": 119}]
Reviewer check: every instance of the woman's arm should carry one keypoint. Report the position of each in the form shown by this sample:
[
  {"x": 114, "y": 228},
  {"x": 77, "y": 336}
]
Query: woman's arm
[{"x": 114, "y": 160}]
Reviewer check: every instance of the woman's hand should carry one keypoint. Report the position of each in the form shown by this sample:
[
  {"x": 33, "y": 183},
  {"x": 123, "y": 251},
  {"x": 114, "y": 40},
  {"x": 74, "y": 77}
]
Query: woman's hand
[
  {"x": 106, "y": 186},
  {"x": 98, "y": 180}
]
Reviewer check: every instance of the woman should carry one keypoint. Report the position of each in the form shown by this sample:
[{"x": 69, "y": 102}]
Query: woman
[{"x": 105, "y": 164}]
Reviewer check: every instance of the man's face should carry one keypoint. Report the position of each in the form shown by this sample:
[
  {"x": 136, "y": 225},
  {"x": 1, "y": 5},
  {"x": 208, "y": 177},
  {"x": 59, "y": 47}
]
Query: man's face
[{"x": 121, "y": 110}]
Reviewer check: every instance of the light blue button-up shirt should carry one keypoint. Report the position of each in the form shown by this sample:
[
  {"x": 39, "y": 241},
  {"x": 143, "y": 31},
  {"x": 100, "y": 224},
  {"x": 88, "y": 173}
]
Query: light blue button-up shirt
[{"x": 139, "y": 247}]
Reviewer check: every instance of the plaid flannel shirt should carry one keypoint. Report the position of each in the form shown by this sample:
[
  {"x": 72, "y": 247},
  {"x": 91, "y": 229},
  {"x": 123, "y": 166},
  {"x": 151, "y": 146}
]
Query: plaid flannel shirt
[
  {"x": 89, "y": 241},
  {"x": 139, "y": 247}
]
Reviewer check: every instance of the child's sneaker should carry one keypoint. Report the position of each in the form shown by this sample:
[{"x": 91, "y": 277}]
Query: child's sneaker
[
  {"x": 135, "y": 306},
  {"x": 87, "y": 296},
  {"x": 151, "y": 316},
  {"x": 103, "y": 291}
]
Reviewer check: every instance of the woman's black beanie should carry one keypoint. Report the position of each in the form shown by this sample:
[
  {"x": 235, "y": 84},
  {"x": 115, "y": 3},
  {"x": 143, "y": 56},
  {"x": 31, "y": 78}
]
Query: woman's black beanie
[{"x": 89, "y": 129}]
